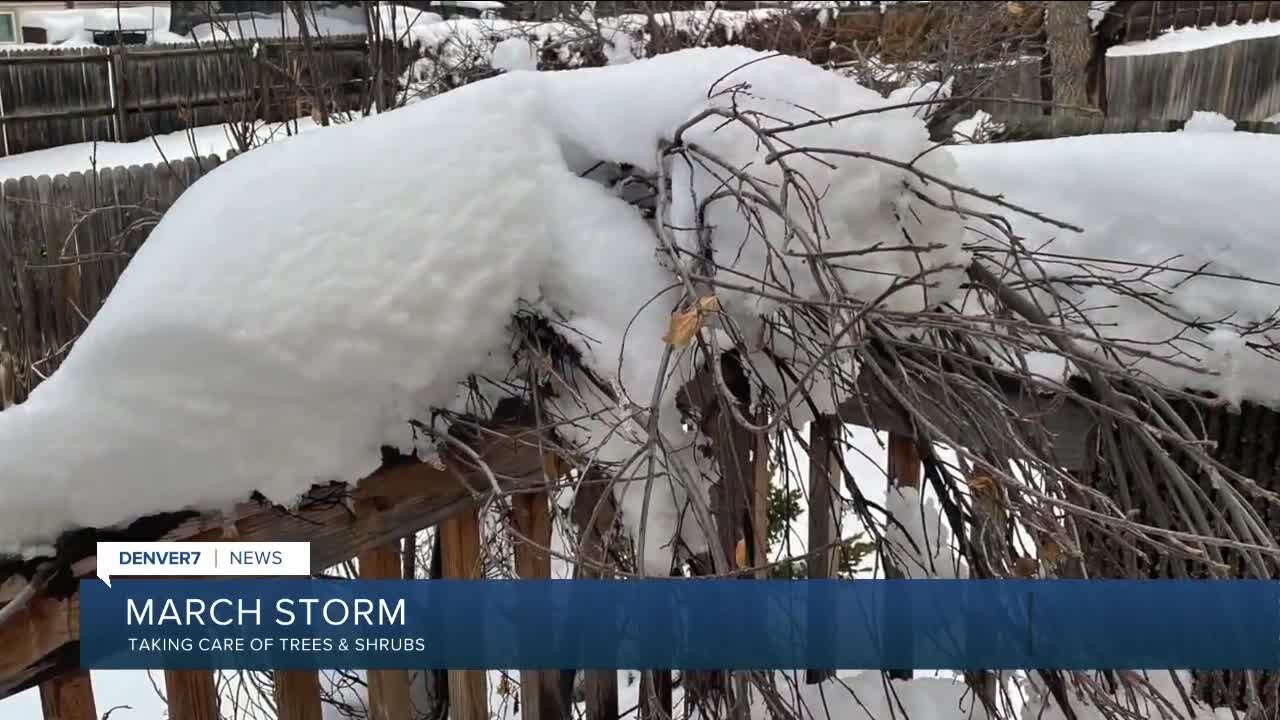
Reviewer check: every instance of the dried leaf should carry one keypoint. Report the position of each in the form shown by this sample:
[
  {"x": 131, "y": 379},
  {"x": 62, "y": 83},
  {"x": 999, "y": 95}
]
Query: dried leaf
[
  {"x": 1050, "y": 552},
  {"x": 982, "y": 484},
  {"x": 1025, "y": 567},
  {"x": 686, "y": 323},
  {"x": 740, "y": 555}
]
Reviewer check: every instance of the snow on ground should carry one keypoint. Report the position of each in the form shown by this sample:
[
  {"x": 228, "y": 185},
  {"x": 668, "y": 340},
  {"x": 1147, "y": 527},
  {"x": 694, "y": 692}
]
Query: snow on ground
[
  {"x": 1206, "y": 121},
  {"x": 296, "y": 328},
  {"x": 1176, "y": 200},
  {"x": 1189, "y": 39},
  {"x": 199, "y": 142}
]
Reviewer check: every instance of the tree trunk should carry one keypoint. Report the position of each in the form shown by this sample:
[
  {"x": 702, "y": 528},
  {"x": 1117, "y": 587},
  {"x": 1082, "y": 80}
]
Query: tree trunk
[{"x": 1070, "y": 47}]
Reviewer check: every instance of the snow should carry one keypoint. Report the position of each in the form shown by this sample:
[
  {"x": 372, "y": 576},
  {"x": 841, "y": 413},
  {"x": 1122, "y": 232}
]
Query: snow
[
  {"x": 286, "y": 342},
  {"x": 922, "y": 93},
  {"x": 472, "y": 4},
  {"x": 978, "y": 128},
  {"x": 1098, "y": 11},
  {"x": 853, "y": 695},
  {"x": 400, "y": 22},
  {"x": 1142, "y": 702},
  {"x": 1189, "y": 39},
  {"x": 83, "y": 157},
  {"x": 462, "y": 43},
  {"x": 452, "y": 49},
  {"x": 1205, "y": 121},
  {"x": 1175, "y": 200},
  {"x": 514, "y": 53},
  {"x": 72, "y": 27},
  {"x": 917, "y": 540},
  {"x": 320, "y": 21}
]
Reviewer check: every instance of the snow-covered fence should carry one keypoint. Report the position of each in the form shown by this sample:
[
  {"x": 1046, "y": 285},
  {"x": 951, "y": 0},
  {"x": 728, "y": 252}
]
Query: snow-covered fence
[
  {"x": 1044, "y": 127},
  {"x": 63, "y": 243},
  {"x": 53, "y": 97},
  {"x": 1239, "y": 79}
]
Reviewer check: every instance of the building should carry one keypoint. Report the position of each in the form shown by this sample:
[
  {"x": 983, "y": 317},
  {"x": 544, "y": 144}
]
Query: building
[{"x": 34, "y": 21}]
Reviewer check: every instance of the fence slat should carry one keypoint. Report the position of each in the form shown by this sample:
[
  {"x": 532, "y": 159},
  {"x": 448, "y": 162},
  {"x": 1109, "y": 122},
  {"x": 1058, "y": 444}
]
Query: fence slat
[
  {"x": 68, "y": 697},
  {"x": 191, "y": 695},
  {"x": 10, "y": 330},
  {"x": 460, "y": 542},
  {"x": 61, "y": 96},
  {"x": 539, "y": 688},
  {"x": 824, "y": 510},
  {"x": 298, "y": 695},
  {"x": 1240, "y": 79},
  {"x": 388, "y": 689},
  {"x": 595, "y": 515},
  {"x": 63, "y": 243}
]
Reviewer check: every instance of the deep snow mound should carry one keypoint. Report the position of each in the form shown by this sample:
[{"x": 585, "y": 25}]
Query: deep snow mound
[{"x": 299, "y": 306}]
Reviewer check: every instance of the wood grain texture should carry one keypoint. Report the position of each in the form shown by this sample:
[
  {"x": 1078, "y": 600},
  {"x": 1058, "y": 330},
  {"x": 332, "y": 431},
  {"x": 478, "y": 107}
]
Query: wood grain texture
[
  {"x": 191, "y": 695},
  {"x": 68, "y": 697}
]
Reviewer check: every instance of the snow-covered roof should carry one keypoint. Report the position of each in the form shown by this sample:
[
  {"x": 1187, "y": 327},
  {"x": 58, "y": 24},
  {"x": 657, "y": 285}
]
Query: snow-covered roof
[
  {"x": 321, "y": 21},
  {"x": 74, "y": 27}
]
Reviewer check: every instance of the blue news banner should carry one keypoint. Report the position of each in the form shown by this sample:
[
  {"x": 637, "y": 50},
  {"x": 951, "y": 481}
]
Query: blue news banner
[{"x": 692, "y": 624}]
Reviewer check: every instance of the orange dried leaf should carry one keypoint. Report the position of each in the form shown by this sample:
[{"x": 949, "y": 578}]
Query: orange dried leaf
[
  {"x": 740, "y": 555},
  {"x": 686, "y": 323},
  {"x": 982, "y": 484}
]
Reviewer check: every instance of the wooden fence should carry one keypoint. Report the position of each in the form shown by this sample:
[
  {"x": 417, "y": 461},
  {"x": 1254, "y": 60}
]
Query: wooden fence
[
  {"x": 1147, "y": 19},
  {"x": 63, "y": 243},
  {"x": 1019, "y": 127},
  {"x": 1240, "y": 80},
  {"x": 61, "y": 96}
]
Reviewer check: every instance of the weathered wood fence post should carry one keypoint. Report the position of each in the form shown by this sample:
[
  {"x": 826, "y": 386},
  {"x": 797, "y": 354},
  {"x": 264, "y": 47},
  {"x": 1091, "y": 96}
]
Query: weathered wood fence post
[
  {"x": 388, "y": 689},
  {"x": 824, "y": 510},
  {"x": 460, "y": 541},
  {"x": 191, "y": 695},
  {"x": 297, "y": 694},
  {"x": 68, "y": 697},
  {"x": 595, "y": 515},
  {"x": 539, "y": 687}
]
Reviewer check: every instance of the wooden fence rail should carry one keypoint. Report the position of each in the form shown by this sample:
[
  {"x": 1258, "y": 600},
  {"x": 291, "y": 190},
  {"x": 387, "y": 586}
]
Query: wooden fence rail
[{"x": 58, "y": 96}]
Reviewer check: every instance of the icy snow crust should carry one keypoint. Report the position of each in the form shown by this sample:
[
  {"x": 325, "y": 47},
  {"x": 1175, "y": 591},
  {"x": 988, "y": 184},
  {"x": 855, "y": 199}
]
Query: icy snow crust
[{"x": 287, "y": 318}]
